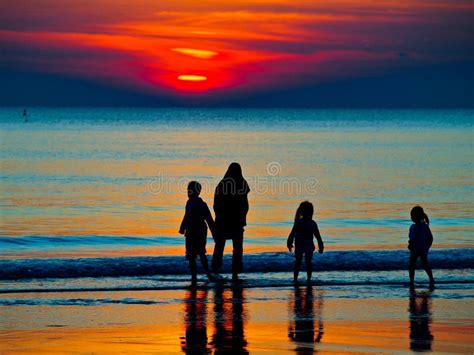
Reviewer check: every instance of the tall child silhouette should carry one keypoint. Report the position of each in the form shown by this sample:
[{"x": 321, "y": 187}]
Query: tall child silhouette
[
  {"x": 194, "y": 228},
  {"x": 420, "y": 241}
]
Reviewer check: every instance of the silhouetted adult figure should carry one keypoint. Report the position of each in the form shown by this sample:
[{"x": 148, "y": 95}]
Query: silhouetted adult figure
[
  {"x": 230, "y": 206},
  {"x": 421, "y": 337}
]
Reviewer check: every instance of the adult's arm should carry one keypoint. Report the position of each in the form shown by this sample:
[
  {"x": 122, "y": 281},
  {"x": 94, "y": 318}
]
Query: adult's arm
[
  {"x": 245, "y": 207},
  {"x": 217, "y": 199}
]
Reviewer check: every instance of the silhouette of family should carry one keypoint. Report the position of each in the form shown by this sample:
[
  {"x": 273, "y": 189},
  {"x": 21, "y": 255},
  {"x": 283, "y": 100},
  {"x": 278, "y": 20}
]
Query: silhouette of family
[{"x": 231, "y": 207}]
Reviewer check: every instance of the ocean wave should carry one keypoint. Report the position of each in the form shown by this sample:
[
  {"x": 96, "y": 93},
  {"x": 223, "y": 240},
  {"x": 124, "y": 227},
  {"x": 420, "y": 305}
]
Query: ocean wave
[
  {"x": 74, "y": 302},
  {"x": 354, "y": 260}
]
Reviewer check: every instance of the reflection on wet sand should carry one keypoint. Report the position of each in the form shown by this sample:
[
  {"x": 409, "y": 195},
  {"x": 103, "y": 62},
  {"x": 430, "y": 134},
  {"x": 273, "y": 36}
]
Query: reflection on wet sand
[
  {"x": 227, "y": 316},
  {"x": 195, "y": 322},
  {"x": 302, "y": 329},
  {"x": 421, "y": 338}
]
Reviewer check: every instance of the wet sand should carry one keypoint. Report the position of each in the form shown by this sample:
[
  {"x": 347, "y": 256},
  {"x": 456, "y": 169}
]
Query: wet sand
[{"x": 333, "y": 319}]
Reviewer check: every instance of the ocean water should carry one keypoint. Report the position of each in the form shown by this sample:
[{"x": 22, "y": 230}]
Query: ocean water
[{"x": 112, "y": 182}]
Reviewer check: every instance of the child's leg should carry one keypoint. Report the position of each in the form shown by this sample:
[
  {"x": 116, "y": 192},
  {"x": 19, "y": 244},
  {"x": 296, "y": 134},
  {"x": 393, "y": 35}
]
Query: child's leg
[
  {"x": 412, "y": 267},
  {"x": 309, "y": 264},
  {"x": 427, "y": 267},
  {"x": 205, "y": 265},
  {"x": 193, "y": 268},
  {"x": 298, "y": 259}
]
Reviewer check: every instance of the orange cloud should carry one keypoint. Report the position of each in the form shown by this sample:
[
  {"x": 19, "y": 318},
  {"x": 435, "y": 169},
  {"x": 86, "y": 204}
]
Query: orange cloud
[{"x": 196, "y": 53}]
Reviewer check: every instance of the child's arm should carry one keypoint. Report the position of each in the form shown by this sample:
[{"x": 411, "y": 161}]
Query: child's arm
[
  {"x": 182, "y": 227},
  {"x": 291, "y": 238},
  {"x": 317, "y": 235},
  {"x": 210, "y": 222},
  {"x": 430, "y": 238},
  {"x": 410, "y": 237},
  {"x": 184, "y": 222}
]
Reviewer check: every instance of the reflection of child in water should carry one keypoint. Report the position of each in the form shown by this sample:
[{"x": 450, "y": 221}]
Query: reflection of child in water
[
  {"x": 194, "y": 228},
  {"x": 420, "y": 241},
  {"x": 302, "y": 234}
]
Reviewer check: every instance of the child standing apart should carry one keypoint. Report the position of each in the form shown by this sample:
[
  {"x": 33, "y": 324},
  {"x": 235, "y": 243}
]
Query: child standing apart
[
  {"x": 194, "y": 229},
  {"x": 302, "y": 234},
  {"x": 420, "y": 241}
]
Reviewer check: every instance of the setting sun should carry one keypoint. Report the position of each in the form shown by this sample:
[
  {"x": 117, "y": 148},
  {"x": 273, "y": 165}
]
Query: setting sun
[{"x": 192, "y": 78}]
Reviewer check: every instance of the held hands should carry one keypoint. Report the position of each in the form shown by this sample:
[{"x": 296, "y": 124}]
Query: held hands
[
  {"x": 290, "y": 247},
  {"x": 181, "y": 231},
  {"x": 215, "y": 234},
  {"x": 321, "y": 248}
]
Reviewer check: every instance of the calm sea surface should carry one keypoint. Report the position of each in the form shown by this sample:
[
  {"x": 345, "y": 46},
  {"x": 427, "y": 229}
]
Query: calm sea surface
[{"x": 80, "y": 182}]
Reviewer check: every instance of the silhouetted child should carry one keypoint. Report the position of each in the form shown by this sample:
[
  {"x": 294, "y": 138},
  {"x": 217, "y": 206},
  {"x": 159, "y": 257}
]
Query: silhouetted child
[
  {"x": 302, "y": 234},
  {"x": 194, "y": 228},
  {"x": 420, "y": 241}
]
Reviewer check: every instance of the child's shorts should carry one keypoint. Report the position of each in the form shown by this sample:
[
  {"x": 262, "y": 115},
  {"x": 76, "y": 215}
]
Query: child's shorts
[
  {"x": 308, "y": 253},
  {"x": 303, "y": 246},
  {"x": 195, "y": 245},
  {"x": 414, "y": 255}
]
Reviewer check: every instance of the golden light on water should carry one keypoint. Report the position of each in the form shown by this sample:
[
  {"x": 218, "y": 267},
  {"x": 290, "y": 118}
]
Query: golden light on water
[{"x": 192, "y": 78}]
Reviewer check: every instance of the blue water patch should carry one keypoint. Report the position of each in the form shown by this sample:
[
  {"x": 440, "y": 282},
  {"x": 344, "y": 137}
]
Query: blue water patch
[
  {"x": 245, "y": 119},
  {"x": 89, "y": 172},
  {"x": 72, "y": 242}
]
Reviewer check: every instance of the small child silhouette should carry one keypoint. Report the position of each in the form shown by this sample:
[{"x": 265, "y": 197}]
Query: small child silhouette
[
  {"x": 302, "y": 234},
  {"x": 420, "y": 241},
  {"x": 194, "y": 229}
]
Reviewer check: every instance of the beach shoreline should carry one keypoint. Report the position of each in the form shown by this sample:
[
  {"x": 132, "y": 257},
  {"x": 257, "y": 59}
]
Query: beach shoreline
[{"x": 246, "y": 316}]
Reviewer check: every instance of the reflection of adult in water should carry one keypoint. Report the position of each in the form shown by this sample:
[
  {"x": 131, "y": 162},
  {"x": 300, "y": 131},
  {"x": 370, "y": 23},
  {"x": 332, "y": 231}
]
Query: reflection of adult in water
[
  {"x": 420, "y": 319},
  {"x": 229, "y": 320},
  {"x": 195, "y": 322},
  {"x": 302, "y": 329},
  {"x": 230, "y": 206}
]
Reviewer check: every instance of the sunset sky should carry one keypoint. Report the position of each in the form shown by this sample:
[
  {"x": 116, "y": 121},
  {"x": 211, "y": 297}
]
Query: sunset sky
[{"x": 237, "y": 53}]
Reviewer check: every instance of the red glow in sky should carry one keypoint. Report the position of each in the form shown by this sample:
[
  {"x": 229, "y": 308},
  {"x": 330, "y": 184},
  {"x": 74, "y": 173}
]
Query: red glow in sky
[{"x": 216, "y": 48}]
